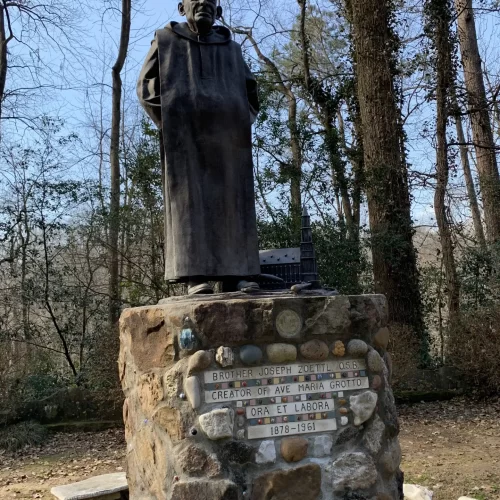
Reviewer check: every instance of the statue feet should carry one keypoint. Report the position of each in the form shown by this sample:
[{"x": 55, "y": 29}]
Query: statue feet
[{"x": 195, "y": 288}]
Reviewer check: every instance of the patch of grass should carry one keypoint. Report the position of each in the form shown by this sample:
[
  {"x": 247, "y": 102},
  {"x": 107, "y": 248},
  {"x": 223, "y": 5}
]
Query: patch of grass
[{"x": 15, "y": 437}]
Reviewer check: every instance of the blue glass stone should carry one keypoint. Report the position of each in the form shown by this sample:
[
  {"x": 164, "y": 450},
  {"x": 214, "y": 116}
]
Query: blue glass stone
[{"x": 187, "y": 339}]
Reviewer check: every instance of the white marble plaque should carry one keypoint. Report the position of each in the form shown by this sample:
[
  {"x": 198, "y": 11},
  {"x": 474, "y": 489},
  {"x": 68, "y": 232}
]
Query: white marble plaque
[
  {"x": 292, "y": 408},
  {"x": 278, "y": 430},
  {"x": 269, "y": 391},
  {"x": 297, "y": 369}
]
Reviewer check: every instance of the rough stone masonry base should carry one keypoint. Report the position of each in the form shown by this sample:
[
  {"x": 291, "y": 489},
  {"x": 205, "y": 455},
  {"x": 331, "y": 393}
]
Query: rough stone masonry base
[{"x": 264, "y": 397}]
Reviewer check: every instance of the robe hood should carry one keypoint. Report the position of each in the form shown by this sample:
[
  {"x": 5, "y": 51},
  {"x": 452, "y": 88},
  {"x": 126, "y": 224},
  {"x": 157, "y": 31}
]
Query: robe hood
[{"x": 219, "y": 34}]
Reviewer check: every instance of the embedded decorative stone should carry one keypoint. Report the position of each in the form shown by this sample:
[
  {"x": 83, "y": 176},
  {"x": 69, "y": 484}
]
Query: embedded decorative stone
[
  {"x": 315, "y": 350},
  {"x": 353, "y": 471},
  {"x": 281, "y": 353},
  {"x": 225, "y": 357},
  {"x": 217, "y": 424},
  {"x": 194, "y": 460},
  {"x": 343, "y": 411},
  {"x": 250, "y": 354},
  {"x": 294, "y": 449},
  {"x": 187, "y": 339},
  {"x": 266, "y": 454},
  {"x": 338, "y": 349},
  {"x": 302, "y": 483},
  {"x": 322, "y": 446},
  {"x": 382, "y": 337},
  {"x": 199, "y": 361},
  {"x": 376, "y": 382},
  {"x": 202, "y": 489},
  {"x": 344, "y": 420},
  {"x": 240, "y": 434},
  {"x": 372, "y": 437},
  {"x": 237, "y": 453},
  {"x": 193, "y": 391},
  {"x": 362, "y": 406},
  {"x": 357, "y": 348},
  {"x": 288, "y": 324},
  {"x": 375, "y": 362},
  {"x": 171, "y": 420},
  {"x": 347, "y": 434}
]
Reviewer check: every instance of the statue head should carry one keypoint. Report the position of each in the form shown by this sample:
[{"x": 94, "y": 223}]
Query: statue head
[{"x": 200, "y": 14}]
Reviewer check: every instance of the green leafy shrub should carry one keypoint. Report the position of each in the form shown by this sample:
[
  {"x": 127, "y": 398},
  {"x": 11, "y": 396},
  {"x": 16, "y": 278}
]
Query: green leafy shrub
[{"x": 15, "y": 437}]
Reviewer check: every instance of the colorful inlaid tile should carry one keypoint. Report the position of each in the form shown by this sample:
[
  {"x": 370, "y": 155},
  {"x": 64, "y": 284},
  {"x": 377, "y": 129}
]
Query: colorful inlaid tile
[
  {"x": 303, "y": 397},
  {"x": 267, "y": 421},
  {"x": 350, "y": 374},
  {"x": 276, "y": 380},
  {"x": 341, "y": 394},
  {"x": 328, "y": 395},
  {"x": 338, "y": 375},
  {"x": 264, "y": 381},
  {"x": 313, "y": 378},
  {"x": 239, "y": 404},
  {"x": 362, "y": 373},
  {"x": 301, "y": 378},
  {"x": 278, "y": 400},
  {"x": 356, "y": 374},
  {"x": 253, "y": 402},
  {"x": 318, "y": 416},
  {"x": 279, "y": 420},
  {"x": 237, "y": 385},
  {"x": 284, "y": 400},
  {"x": 305, "y": 417},
  {"x": 297, "y": 398},
  {"x": 225, "y": 385}
]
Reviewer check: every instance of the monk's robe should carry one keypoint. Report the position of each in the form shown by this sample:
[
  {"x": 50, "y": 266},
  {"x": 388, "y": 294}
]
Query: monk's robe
[{"x": 203, "y": 97}]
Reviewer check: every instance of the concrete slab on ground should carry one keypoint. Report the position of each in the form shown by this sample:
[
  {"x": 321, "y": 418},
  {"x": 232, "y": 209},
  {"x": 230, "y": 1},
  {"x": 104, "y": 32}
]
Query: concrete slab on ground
[{"x": 105, "y": 487}]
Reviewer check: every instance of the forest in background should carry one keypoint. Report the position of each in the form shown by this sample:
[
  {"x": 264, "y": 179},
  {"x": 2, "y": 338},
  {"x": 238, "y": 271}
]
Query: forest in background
[{"x": 382, "y": 117}]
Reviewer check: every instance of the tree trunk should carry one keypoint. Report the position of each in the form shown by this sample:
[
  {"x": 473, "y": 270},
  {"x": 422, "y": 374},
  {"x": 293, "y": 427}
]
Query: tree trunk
[
  {"x": 469, "y": 183},
  {"x": 326, "y": 108},
  {"x": 439, "y": 19},
  {"x": 294, "y": 170},
  {"x": 394, "y": 259},
  {"x": 114, "y": 206},
  {"x": 4, "y": 41},
  {"x": 482, "y": 133}
]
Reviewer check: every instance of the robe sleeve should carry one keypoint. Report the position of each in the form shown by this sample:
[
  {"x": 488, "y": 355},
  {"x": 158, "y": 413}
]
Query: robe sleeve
[
  {"x": 148, "y": 86},
  {"x": 252, "y": 94}
]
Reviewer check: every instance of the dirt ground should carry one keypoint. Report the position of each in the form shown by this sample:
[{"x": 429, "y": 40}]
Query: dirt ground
[{"x": 452, "y": 448}]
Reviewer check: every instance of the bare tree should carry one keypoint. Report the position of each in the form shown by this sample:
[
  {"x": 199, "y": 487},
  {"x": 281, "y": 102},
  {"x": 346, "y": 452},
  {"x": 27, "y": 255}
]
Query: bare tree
[
  {"x": 438, "y": 26},
  {"x": 482, "y": 133},
  {"x": 114, "y": 206},
  {"x": 294, "y": 171}
]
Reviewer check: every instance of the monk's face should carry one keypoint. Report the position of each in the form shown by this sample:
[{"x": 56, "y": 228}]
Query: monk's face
[{"x": 200, "y": 14}]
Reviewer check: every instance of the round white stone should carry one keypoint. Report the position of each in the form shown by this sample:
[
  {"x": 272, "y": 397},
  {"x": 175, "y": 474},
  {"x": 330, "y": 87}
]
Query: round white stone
[{"x": 288, "y": 324}]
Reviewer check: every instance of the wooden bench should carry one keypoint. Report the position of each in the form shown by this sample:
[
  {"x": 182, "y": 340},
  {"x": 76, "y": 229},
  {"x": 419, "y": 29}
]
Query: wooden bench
[{"x": 106, "y": 487}]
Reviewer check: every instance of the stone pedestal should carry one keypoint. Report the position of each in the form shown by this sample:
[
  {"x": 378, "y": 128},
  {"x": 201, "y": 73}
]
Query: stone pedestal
[{"x": 268, "y": 396}]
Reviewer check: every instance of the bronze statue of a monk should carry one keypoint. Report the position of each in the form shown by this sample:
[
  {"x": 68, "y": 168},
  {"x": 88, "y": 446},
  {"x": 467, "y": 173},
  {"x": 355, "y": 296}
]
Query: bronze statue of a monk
[{"x": 198, "y": 90}]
